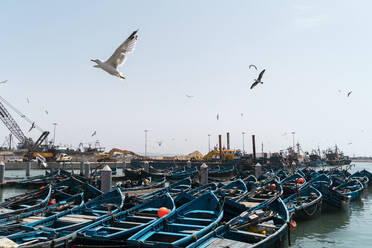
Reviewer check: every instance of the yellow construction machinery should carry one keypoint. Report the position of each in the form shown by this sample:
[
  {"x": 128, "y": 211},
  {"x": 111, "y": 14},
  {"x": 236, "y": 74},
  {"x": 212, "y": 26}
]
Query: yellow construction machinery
[
  {"x": 108, "y": 157},
  {"x": 215, "y": 154}
]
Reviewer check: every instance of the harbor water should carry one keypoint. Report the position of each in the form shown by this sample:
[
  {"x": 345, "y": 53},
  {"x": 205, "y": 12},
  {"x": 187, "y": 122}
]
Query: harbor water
[{"x": 350, "y": 227}]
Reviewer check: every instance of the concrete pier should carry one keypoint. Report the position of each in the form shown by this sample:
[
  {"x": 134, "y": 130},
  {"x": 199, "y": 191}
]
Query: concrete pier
[
  {"x": 106, "y": 179},
  {"x": 257, "y": 170},
  {"x": 28, "y": 169},
  {"x": 188, "y": 164},
  {"x": 125, "y": 165},
  {"x": 203, "y": 174},
  {"x": 87, "y": 169},
  {"x": 81, "y": 168},
  {"x": 2, "y": 172},
  {"x": 146, "y": 166}
]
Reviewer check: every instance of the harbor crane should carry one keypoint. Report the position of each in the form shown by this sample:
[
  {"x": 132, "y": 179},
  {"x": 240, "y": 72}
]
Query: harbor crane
[{"x": 17, "y": 132}]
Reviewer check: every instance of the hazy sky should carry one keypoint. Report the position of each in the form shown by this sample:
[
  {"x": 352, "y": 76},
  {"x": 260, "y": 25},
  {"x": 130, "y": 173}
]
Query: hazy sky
[{"x": 310, "y": 49}]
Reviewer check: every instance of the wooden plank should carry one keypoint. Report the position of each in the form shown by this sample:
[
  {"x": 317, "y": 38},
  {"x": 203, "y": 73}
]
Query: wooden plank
[
  {"x": 250, "y": 204},
  {"x": 223, "y": 243},
  {"x": 32, "y": 219}
]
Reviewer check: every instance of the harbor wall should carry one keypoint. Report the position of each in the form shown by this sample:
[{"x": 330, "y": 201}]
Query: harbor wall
[{"x": 55, "y": 165}]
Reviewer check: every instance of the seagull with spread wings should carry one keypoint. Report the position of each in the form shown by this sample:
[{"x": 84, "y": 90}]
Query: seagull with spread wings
[
  {"x": 94, "y": 133},
  {"x": 258, "y": 80},
  {"x": 111, "y": 65},
  {"x": 348, "y": 94},
  {"x": 3, "y": 82}
]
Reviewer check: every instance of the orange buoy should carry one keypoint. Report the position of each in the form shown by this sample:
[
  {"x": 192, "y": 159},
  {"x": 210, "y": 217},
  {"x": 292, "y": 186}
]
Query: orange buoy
[
  {"x": 163, "y": 211},
  {"x": 147, "y": 182},
  {"x": 292, "y": 225},
  {"x": 301, "y": 180},
  {"x": 273, "y": 186},
  {"x": 52, "y": 202}
]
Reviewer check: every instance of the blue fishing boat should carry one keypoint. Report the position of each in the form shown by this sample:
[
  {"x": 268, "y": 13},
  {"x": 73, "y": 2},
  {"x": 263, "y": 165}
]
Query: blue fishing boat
[
  {"x": 117, "y": 228},
  {"x": 265, "y": 227},
  {"x": 291, "y": 184},
  {"x": 183, "y": 226},
  {"x": 254, "y": 199},
  {"x": 224, "y": 172},
  {"x": 368, "y": 174},
  {"x": 233, "y": 190},
  {"x": 13, "y": 222},
  {"x": 189, "y": 195},
  {"x": 352, "y": 188},
  {"x": 182, "y": 174},
  {"x": 173, "y": 189},
  {"x": 146, "y": 184},
  {"x": 26, "y": 202},
  {"x": 62, "y": 228},
  {"x": 331, "y": 198},
  {"x": 304, "y": 204},
  {"x": 364, "y": 179}
]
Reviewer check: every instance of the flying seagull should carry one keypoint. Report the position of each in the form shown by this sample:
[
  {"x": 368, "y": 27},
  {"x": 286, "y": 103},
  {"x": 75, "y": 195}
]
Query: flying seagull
[
  {"x": 255, "y": 67},
  {"x": 241, "y": 114},
  {"x": 32, "y": 126},
  {"x": 28, "y": 100},
  {"x": 218, "y": 117},
  {"x": 258, "y": 80},
  {"x": 348, "y": 94},
  {"x": 3, "y": 82},
  {"x": 119, "y": 56},
  {"x": 349, "y": 143},
  {"x": 189, "y": 96},
  {"x": 160, "y": 143},
  {"x": 94, "y": 133},
  {"x": 46, "y": 112}
]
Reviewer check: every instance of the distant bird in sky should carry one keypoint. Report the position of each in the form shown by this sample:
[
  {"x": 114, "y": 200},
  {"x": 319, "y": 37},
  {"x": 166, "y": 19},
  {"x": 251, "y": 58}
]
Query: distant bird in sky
[
  {"x": 160, "y": 143},
  {"x": 258, "y": 80},
  {"x": 32, "y": 126},
  {"x": 349, "y": 143},
  {"x": 46, "y": 112},
  {"x": 253, "y": 66},
  {"x": 28, "y": 100},
  {"x": 218, "y": 117},
  {"x": 189, "y": 96},
  {"x": 185, "y": 140},
  {"x": 119, "y": 56},
  {"x": 94, "y": 133},
  {"x": 348, "y": 94},
  {"x": 241, "y": 114},
  {"x": 3, "y": 82}
]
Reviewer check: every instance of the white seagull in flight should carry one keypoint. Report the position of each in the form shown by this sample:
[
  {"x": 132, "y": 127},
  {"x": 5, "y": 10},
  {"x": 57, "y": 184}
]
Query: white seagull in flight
[
  {"x": 3, "y": 82},
  {"x": 111, "y": 65}
]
